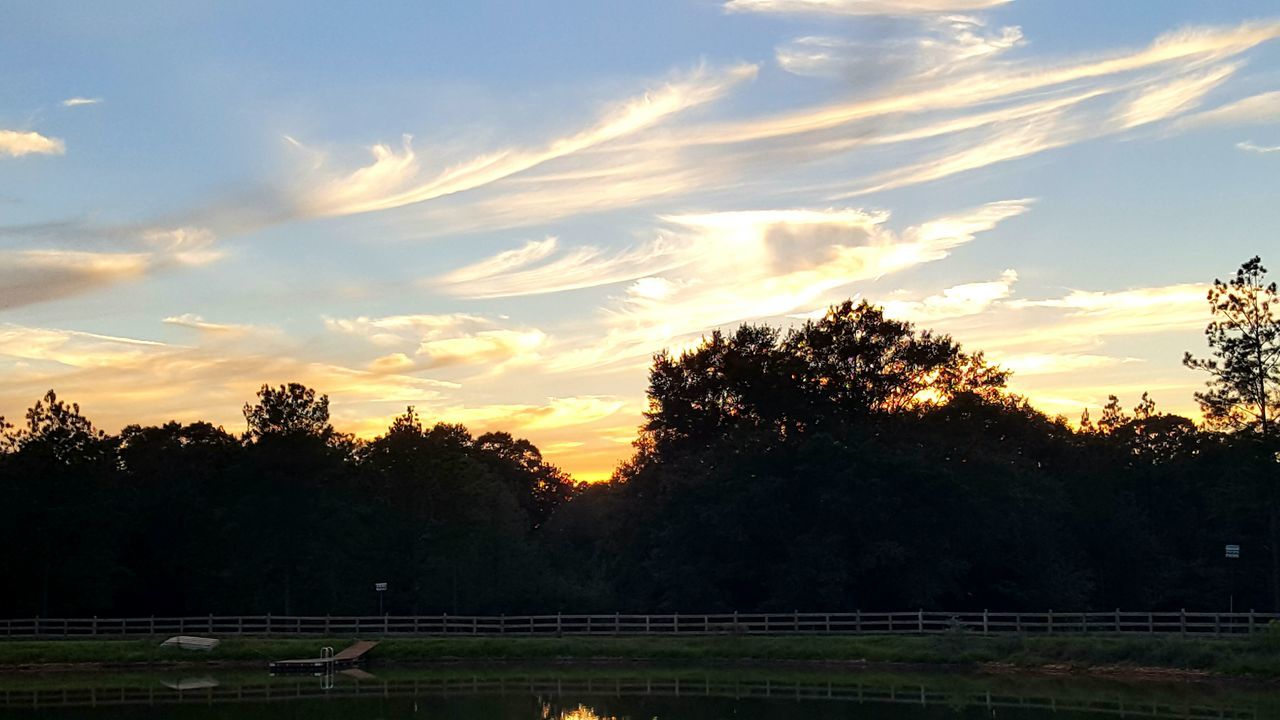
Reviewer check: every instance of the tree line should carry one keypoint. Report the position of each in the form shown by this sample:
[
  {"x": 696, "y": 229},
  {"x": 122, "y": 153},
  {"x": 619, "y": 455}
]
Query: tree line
[{"x": 855, "y": 461}]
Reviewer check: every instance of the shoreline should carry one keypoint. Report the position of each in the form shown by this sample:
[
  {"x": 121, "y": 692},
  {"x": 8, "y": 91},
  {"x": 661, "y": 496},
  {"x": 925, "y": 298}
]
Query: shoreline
[{"x": 1198, "y": 660}]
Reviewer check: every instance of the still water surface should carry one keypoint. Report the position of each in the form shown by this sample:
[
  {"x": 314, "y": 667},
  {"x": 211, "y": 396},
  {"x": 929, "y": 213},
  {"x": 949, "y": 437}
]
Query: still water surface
[{"x": 620, "y": 694}]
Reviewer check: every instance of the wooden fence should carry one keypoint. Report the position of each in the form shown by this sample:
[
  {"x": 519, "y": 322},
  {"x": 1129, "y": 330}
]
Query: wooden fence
[{"x": 916, "y": 622}]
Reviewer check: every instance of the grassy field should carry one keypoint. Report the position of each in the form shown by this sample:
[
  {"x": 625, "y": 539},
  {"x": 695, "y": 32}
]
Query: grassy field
[{"x": 1257, "y": 656}]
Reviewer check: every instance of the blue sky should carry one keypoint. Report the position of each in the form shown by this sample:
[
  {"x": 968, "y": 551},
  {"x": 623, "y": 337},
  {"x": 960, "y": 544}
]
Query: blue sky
[{"x": 498, "y": 211}]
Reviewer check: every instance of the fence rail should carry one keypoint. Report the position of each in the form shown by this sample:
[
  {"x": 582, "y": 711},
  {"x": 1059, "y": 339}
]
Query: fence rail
[{"x": 915, "y": 622}]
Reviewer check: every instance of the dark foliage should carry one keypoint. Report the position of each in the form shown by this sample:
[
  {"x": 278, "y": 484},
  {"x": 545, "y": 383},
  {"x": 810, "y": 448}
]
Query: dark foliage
[{"x": 854, "y": 462}]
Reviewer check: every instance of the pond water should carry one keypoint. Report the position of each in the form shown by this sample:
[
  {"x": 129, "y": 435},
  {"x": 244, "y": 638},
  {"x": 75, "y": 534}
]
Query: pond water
[{"x": 577, "y": 693}]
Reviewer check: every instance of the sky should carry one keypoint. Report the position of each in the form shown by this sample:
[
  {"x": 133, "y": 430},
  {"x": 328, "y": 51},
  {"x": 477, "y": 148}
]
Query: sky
[{"x": 497, "y": 212}]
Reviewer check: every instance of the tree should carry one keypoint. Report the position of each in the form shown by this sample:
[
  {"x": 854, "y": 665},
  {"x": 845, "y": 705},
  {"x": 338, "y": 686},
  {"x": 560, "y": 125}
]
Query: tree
[
  {"x": 292, "y": 410},
  {"x": 1244, "y": 341}
]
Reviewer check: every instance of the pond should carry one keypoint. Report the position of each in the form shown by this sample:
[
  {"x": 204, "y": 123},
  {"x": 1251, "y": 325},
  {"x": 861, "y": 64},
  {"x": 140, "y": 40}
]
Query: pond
[{"x": 626, "y": 693}]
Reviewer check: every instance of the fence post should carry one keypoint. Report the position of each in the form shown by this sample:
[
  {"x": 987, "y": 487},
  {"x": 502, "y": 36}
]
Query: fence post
[
  {"x": 735, "y": 623},
  {"x": 1217, "y": 624},
  {"x": 559, "y": 630},
  {"x": 210, "y": 623},
  {"x": 502, "y": 624},
  {"x": 795, "y": 621},
  {"x": 1017, "y": 622},
  {"x": 1250, "y": 621},
  {"x": 1117, "y": 619},
  {"x": 268, "y": 623},
  {"x": 986, "y": 626},
  {"x": 1050, "y": 629},
  {"x": 444, "y": 624},
  {"x": 95, "y": 626},
  {"x": 617, "y": 623},
  {"x": 857, "y": 621},
  {"x": 151, "y": 628},
  {"x": 646, "y": 621},
  {"x": 826, "y": 623},
  {"x": 1182, "y": 622},
  {"x": 675, "y": 623},
  {"x": 920, "y": 620},
  {"x": 1151, "y": 623},
  {"x": 326, "y": 624}
]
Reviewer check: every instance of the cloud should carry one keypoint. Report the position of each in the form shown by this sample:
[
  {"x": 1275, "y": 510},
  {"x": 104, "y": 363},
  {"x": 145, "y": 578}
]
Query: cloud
[
  {"x": 46, "y": 273},
  {"x": 17, "y": 144},
  {"x": 755, "y": 265},
  {"x": 196, "y": 322},
  {"x": 79, "y": 101},
  {"x": 951, "y": 45},
  {"x": 860, "y": 7},
  {"x": 1249, "y": 146},
  {"x": 487, "y": 346},
  {"x": 440, "y": 341},
  {"x": 393, "y": 180},
  {"x": 31, "y": 276},
  {"x": 953, "y": 302},
  {"x": 1165, "y": 100},
  {"x": 400, "y": 329},
  {"x": 534, "y": 270},
  {"x": 1255, "y": 109}
]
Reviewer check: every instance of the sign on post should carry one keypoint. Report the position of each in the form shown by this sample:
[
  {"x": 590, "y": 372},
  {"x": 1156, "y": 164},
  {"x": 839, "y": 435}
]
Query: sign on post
[
  {"x": 382, "y": 587},
  {"x": 1233, "y": 551}
]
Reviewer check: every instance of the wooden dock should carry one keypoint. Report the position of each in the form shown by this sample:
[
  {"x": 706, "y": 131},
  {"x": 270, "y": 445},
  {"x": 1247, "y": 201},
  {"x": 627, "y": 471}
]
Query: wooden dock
[{"x": 349, "y": 657}]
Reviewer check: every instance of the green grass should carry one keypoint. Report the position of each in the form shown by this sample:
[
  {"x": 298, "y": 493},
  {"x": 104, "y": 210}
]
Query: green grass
[{"x": 1258, "y": 656}]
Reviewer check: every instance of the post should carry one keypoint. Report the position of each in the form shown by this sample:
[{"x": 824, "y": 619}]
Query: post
[
  {"x": 1151, "y": 623},
  {"x": 1250, "y": 621},
  {"x": 795, "y": 621},
  {"x": 1217, "y": 624},
  {"x": 675, "y": 623},
  {"x": 1117, "y": 619},
  {"x": 502, "y": 624},
  {"x": 444, "y": 623},
  {"x": 210, "y": 623},
  {"x": 326, "y": 624},
  {"x": 558, "y": 626},
  {"x": 268, "y": 623},
  {"x": 1050, "y": 627},
  {"x": 646, "y": 623},
  {"x": 95, "y": 626},
  {"x": 152, "y": 627},
  {"x": 986, "y": 626},
  {"x": 920, "y": 621},
  {"x": 1182, "y": 622},
  {"x": 1017, "y": 623},
  {"x": 617, "y": 623},
  {"x": 735, "y": 623},
  {"x": 857, "y": 621},
  {"x": 239, "y": 624}
]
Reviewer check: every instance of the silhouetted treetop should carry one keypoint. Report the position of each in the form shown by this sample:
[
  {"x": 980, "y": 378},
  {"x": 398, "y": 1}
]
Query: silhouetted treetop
[
  {"x": 1244, "y": 343},
  {"x": 292, "y": 410}
]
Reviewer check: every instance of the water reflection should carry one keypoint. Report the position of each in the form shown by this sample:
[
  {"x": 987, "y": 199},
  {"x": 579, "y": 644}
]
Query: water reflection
[{"x": 627, "y": 694}]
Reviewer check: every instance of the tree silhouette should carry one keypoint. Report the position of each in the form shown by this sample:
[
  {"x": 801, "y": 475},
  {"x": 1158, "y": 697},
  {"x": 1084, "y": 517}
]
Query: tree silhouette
[
  {"x": 1244, "y": 341},
  {"x": 291, "y": 410}
]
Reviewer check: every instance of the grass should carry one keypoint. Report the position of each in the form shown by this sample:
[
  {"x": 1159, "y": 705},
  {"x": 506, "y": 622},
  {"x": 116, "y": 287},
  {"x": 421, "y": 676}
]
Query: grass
[{"x": 1257, "y": 656}]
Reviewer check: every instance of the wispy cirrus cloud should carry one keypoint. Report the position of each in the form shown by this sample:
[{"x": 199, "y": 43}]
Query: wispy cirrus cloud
[
  {"x": 80, "y": 101},
  {"x": 1249, "y": 146},
  {"x": 394, "y": 179},
  {"x": 16, "y": 144},
  {"x": 1255, "y": 109},
  {"x": 860, "y": 7}
]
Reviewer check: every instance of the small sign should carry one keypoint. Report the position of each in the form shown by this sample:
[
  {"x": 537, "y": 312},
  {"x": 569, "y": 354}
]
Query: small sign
[
  {"x": 380, "y": 587},
  {"x": 1233, "y": 551}
]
